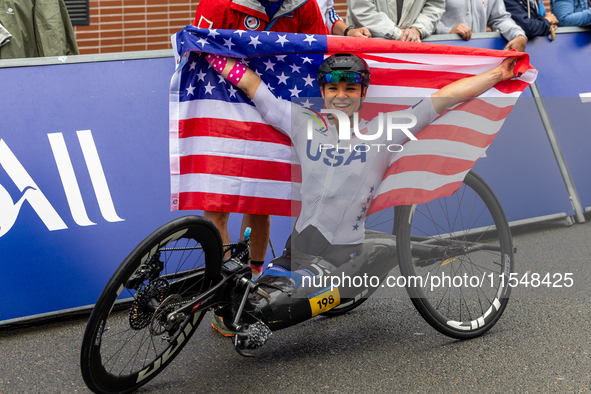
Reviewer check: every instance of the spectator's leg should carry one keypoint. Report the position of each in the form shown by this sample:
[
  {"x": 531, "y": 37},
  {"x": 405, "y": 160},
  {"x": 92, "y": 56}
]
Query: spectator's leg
[
  {"x": 261, "y": 228},
  {"x": 220, "y": 219}
]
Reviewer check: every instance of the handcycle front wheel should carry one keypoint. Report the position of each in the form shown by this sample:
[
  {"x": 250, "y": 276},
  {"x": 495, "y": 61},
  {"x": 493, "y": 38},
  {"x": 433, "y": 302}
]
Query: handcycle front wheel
[
  {"x": 128, "y": 341},
  {"x": 456, "y": 254},
  {"x": 345, "y": 307}
]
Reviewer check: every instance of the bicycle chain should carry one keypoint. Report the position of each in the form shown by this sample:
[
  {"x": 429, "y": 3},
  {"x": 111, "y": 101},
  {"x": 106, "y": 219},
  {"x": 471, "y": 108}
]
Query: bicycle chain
[{"x": 139, "y": 318}]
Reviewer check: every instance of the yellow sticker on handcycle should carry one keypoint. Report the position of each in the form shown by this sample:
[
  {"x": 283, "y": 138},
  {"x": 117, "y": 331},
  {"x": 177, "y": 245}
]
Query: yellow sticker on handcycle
[{"x": 324, "y": 300}]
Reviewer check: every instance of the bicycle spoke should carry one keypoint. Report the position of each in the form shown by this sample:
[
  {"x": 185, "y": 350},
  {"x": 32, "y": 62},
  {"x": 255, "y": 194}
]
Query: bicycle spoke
[
  {"x": 471, "y": 246},
  {"x": 125, "y": 337}
]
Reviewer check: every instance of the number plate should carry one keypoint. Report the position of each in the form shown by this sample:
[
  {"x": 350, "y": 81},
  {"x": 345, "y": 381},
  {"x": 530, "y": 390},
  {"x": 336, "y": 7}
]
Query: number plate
[{"x": 324, "y": 300}]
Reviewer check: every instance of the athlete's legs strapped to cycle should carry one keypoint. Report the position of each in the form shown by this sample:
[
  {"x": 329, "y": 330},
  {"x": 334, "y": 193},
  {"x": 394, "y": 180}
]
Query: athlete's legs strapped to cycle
[
  {"x": 292, "y": 289},
  {"x": 309, "y": 254}
]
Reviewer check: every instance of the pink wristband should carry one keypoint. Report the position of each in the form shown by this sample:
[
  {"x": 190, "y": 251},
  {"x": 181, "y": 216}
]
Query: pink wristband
[
  {"x": 236, "y": 73},
  {"x": 217, "y": 62}
]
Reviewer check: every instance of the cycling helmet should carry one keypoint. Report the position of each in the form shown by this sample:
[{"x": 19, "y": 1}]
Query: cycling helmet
[{"x": 346, "y": 66}]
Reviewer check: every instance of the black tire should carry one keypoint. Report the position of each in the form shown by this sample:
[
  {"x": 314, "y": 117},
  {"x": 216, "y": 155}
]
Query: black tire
[
  {"x": 344, "y": 307},
  {"x": 465, "y": 235},
  {"x": 124, "y": 345}
]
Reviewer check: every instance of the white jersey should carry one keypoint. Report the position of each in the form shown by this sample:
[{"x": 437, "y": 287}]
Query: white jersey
[
  {"x": 337, "y": 185},
  {"x": 328, "y": 12}
]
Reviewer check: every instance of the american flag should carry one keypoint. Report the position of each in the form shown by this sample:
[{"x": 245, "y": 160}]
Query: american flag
[{"x": 225, "y": 157}]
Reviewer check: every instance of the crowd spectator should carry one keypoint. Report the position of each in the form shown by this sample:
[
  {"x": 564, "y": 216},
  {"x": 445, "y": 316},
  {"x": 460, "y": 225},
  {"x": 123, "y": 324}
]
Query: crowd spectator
[
  {"x": 572, "y": 12},
  {"x": 30, "y": 28},
  {"x": 335, "y": 23},
  {"x": 526, "y": 14},
  {"x": 466, "y": 16},
  {"x": 404, "y": 20},
  {"x": 292, "y": 16}
]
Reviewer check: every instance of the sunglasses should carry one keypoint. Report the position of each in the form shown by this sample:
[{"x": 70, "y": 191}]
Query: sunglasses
[{"x": 336, "y": 76}]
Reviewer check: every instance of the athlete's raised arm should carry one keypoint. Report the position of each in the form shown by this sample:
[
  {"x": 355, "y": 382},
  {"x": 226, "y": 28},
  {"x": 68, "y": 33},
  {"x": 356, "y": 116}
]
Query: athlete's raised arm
[
  {"x": 236, "y": 72},
  {"x": 470, "y": 87}
]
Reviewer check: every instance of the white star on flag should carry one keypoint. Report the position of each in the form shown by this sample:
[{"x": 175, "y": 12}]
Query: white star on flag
[
  {"x": 222, "y": 79},
  {"x": 280, "y": 58},
  {"x": 282, "y": 78},
  {"x": 307, "y": 60},
  {"x": 232, "y": 91},
  {"x": 254, "y": 41},
  {"x": 307, "y": 104},
  {"x": 213, "y": 33},
  {"x": 269, "y": 65},
  {"x": 258, "y": 73},
  {"x": 240, "y": 32},
  {"x": 310, "y": 38},
  {"x": 203, "y": 42},
  {"x": 282, "y": 40},
  {"x": 209, "y": 88},
  {"x": 228, "y": 43},
  {"x": 190, "y": 89},
  {"x": 294, "y": 68},
  {"x": 295, "y": 91},
  {"x": 201, "y": 76},
  {"x": 308, "y": 80},
  {"x": 192, "y": 66}
]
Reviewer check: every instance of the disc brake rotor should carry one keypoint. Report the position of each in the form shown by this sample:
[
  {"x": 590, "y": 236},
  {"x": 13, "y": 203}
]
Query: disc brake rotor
[{"x": 159, "y": 324}]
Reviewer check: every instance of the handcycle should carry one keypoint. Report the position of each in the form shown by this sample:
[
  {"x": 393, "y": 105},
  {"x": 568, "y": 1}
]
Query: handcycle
[{"x": 160, "y": 294}]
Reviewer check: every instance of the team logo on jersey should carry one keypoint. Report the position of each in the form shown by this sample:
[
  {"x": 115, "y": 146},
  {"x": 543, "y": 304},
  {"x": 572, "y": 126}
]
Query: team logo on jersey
[{"x": 252, "y": 22}]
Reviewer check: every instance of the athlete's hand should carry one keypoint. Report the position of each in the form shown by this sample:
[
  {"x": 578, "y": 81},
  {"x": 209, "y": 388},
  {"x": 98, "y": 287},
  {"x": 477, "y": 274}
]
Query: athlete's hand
[
  {"x": 506, "y": 69},
  {"x": 463, "y": 30},
  {"x": 411, "y": 34},
  {"x": 359, "y": 32}
]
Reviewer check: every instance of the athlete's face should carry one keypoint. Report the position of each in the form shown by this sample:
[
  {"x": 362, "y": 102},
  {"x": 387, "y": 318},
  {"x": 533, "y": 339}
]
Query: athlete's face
[{"x": 343, "y": 96}]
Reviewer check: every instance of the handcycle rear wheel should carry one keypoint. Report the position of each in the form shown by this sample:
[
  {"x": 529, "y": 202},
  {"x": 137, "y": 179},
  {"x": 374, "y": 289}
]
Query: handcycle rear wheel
[
  {"x": 127, "y": 341},
  {"x": 466, "y": 238}
]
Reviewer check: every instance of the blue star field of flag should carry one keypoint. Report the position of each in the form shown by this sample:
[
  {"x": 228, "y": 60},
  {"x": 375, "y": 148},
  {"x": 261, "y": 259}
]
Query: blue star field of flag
[{"x": 287, "y": 63}]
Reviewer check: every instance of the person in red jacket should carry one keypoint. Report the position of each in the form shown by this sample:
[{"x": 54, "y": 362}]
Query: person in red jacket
[{"x": 286, "y": 16}]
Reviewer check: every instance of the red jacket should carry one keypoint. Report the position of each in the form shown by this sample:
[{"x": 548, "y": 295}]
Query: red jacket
[{"x": 294, "y": 16}]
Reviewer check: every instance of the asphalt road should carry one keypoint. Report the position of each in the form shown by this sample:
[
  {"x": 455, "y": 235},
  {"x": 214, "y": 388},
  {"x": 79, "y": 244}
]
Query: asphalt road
[{"x": 541, "y": 344}]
